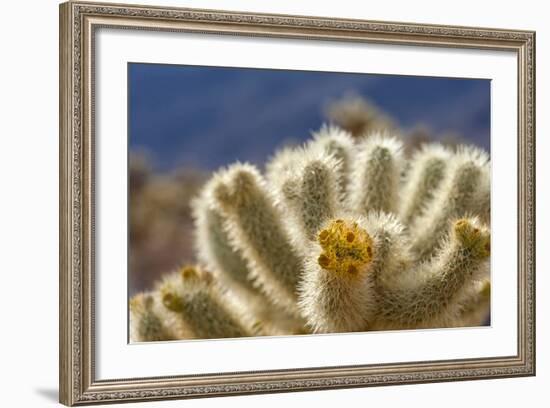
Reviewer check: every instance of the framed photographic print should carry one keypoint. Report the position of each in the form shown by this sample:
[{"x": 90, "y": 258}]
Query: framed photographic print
[{"x": 256, "y": 203}]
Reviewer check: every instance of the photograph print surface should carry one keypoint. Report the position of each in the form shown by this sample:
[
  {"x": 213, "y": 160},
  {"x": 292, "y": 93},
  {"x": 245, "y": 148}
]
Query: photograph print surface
[{"x": 276, "y": 202}]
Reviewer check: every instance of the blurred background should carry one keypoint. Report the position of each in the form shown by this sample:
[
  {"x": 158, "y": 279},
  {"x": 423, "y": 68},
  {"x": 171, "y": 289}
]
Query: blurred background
[{"x": 187, "y": 121}]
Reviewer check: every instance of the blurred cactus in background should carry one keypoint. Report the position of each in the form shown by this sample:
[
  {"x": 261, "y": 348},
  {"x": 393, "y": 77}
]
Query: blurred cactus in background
[
  {"x": 361, "y": 117},
  {"x": 345, "y": 233},
  {"x": 358, "y": 116},
  {"x": 159, "y": 218}
]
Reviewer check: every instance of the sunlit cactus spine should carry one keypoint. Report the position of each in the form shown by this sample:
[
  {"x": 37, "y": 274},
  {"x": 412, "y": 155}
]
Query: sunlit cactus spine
[{"x": 344, "y": 235}]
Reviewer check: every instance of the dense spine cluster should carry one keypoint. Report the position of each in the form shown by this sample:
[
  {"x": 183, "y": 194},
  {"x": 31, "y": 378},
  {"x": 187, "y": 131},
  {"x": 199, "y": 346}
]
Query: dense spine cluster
[{"x": 338, "y": 235}]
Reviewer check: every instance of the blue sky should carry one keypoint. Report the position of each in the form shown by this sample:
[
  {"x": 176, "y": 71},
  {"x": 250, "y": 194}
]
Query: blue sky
[{"x": 207, "y": 117}]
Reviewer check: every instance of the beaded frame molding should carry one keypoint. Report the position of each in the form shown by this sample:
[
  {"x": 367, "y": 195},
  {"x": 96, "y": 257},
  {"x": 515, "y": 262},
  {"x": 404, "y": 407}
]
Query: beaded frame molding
[{"x": 78, "y": 22}]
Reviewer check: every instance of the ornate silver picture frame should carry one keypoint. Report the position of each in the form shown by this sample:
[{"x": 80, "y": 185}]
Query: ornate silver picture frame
[{"x": 79, "y": 24}]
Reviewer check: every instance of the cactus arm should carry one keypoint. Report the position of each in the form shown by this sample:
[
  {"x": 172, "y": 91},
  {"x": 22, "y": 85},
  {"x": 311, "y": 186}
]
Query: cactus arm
[
  {"x": 427, "y": 171},
  {"x": 336, "y": 292},
  {"x": 191, "y": 295},
  {"x": 338, "y": 144},
  {"x": 482, "y": 199},
  {"x": 308, "y": 193},
  {"x": 213, "y": 247},
  {"x": 375, "y": 175},
  {"x": 430, "y": 296},
  {"x": 254, "y": 226},
  {"x": 145, "y": 322},
  {"x": 349, "y": 267},
  {"x": 317, "y": 195},
  {"x": 455, "y": 199}
]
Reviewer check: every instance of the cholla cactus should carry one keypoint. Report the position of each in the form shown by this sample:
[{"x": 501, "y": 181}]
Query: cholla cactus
[{"x": 340, "y": 235}]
